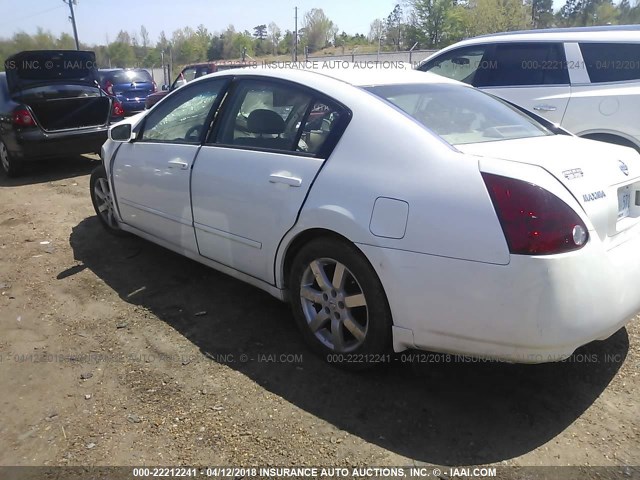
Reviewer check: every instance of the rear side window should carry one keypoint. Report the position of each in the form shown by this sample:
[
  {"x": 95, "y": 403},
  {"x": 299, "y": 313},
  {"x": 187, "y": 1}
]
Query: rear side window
[
  {"x": 611, "y": 62},
  {"x": 461, "y": 64},
  {"x": 281, "y": 116},
  {"x": 524, "y": 64},
  {"x": 265, "y": 115}
]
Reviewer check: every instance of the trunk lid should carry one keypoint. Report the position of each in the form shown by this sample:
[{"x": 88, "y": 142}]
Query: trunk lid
[
  {"x": 30, "y": 69},
  {"x": 603, "y": 178}
]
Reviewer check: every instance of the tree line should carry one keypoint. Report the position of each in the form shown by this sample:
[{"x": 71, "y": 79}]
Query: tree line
[{"x": 412, "y": 23}]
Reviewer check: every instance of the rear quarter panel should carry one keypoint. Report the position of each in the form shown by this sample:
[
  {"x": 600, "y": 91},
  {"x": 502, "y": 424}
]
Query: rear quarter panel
[{"x": 385, "y": 153}]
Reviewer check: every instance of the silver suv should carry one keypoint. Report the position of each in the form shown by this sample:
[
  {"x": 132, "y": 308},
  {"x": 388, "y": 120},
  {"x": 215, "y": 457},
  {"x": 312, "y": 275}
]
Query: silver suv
[{"x": 585, "y": 79}]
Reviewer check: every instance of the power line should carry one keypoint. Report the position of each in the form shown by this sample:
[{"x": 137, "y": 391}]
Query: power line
[{"x": 26, "y": 17}]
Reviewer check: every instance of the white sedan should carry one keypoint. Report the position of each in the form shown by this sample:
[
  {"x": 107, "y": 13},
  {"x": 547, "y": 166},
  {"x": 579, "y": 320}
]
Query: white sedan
[{"x": 391, "y": 209}]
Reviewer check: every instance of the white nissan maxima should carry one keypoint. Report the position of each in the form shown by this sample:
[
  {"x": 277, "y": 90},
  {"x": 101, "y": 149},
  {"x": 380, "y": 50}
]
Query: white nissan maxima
[{"x": 391, "y": 209}]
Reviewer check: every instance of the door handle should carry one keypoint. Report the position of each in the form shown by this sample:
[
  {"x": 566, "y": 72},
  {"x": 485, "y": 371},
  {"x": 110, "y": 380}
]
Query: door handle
[
  {"x": 287, "y": 180},
  {"x": 182, "y": 165},
  {"x": 545, "y": 108}
]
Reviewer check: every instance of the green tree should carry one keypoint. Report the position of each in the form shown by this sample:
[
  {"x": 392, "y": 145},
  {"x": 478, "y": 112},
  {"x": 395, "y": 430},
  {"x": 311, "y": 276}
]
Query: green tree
[
  {"x": 319, "y": 30},
  {"x": 431, "y": 17},
  {"x": 275, "y": 35},
  {"x": 394, "y": 27},
  {"x": 542, "y": 13},
  {"x": 260, "y": 32}
]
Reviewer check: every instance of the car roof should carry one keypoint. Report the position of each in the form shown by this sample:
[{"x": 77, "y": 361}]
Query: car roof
[
  {"x": 358, "y": 74},
  {"x": 608, "y": 33}
]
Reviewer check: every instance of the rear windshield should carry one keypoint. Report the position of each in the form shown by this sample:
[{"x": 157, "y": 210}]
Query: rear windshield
[
  {"x": 459, "y": 114},
  {"x": 130, "y": 76}
]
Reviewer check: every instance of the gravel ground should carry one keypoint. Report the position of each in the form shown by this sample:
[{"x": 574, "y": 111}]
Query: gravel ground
[{"x": 117, "y": 352}]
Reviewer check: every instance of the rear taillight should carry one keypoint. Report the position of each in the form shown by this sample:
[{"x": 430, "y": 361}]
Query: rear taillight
[
  {"x": 116, "y": 109},
  {"x": 108, "y": 87},
  {"x": 534, "y": 221},
  {"x": 22, "y": 117}
]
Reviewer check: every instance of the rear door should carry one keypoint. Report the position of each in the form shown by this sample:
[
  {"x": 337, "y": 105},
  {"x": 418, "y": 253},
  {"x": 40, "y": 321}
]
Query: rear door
[
  {"x": 533, "y": 75},
  {"x": 151, "y": 175},
  {"x": 252, "y": 176}
]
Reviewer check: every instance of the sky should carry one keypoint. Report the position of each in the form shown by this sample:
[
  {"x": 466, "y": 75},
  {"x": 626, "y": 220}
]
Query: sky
[{"x": 99, "y": 20}]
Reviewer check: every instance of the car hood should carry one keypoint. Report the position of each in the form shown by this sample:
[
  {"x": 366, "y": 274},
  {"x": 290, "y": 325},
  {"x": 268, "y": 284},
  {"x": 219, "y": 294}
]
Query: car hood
[{"x": 34, "y": 68}]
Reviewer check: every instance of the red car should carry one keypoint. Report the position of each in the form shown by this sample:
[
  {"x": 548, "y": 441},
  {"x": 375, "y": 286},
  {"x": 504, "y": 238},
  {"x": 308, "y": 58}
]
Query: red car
[{"x": 191, "y": 72}]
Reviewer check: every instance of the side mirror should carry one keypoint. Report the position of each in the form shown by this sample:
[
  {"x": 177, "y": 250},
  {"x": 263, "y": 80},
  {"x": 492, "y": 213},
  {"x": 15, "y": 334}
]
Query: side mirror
[
  {"x": 121, "y": 133},
  {"x": 165, "y": 88}
]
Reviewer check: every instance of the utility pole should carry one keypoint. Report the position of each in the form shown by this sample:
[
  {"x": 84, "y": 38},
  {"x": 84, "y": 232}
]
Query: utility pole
[
  {"x": 73, "y": 21},
  {"x": 295, "y": 39}
]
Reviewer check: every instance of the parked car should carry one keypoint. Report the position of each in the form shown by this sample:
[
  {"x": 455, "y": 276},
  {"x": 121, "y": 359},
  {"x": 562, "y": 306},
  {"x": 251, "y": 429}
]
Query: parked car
[
  {"x": 191, "y": 72},
  {"x": 585, "y": 79},
  {"x": 390, "y": 208},
  {"x": 50, "y": 106},
  {"x": 130, "y": 86}
]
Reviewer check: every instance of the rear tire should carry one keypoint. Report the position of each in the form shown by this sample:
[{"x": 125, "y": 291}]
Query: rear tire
[
  {"x": 103, "y": 202},
  {"x": 8, "y": 164},
  {"x": 340, "y": 305}
]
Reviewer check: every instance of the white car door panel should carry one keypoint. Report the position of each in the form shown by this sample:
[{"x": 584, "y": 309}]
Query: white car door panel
[
  {"x": 153, "y": 192},
  {"x": 245, "y": 201},
  {"x": 152, "y": 174}
]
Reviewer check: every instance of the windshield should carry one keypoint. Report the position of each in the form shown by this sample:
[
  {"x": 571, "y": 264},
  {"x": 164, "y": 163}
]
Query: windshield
[{"x": 460, "y": 115}]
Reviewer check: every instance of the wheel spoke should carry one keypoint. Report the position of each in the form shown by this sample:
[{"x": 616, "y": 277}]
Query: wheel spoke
[
  {"x": 337, "y": 335},
  {"x": 319, "y": 321},
  {"x": 103, "y": 207},
  {"x": 339, "y": 276},
  {"x": 355, "y": 301},
  {"x": 321, "y": 277},
  {"x": 311, "y": 294},
  {"x": 100, "y": 194},
  {"x": 355, "y": 328}
]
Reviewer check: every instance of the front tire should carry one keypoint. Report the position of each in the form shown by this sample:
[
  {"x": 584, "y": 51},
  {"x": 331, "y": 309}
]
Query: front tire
[
  {"x": 103, "y": 202},
  {"x": 9, "y": 165},
  {"x": 339, "y": 304}
]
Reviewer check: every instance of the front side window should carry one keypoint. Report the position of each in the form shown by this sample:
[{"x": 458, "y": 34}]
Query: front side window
[
  {"x": 182, "y": 117},
  {"x": 524, "y": 64},
  {"x": 460, "y": 115},
  {"x": 184, "y": 77},
  {"x": 611, "y": 62},
  {"x": 460, "y": 64}
]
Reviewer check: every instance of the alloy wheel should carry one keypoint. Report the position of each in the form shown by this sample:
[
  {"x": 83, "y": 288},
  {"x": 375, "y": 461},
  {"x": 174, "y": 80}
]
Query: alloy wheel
[
  {"x": 104, "y": 202},
  {"x": 334, "y": 305}
]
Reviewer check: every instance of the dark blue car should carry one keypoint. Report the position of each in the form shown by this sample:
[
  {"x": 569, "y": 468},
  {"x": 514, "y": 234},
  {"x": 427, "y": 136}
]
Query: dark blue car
[{"x": 130, "y": 86}]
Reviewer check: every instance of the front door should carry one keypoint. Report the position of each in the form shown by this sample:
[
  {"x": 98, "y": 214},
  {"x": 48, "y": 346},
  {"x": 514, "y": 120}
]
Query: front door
[{"x": 151, "y": 175}]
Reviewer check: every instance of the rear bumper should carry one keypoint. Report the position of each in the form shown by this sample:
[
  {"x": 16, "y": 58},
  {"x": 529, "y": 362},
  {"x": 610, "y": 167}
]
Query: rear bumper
[
  {"x": 36, "y": 144},
  {"x": 533, "y": 310},
  {"x": 130, "y": 106}
]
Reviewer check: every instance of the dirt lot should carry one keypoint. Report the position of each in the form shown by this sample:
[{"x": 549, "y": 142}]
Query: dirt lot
[{"x": 117, "y": 352}]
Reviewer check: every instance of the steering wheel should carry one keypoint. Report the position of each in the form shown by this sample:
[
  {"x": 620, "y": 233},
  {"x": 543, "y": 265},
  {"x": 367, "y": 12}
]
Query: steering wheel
[{"x": 193, "y": 134}]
